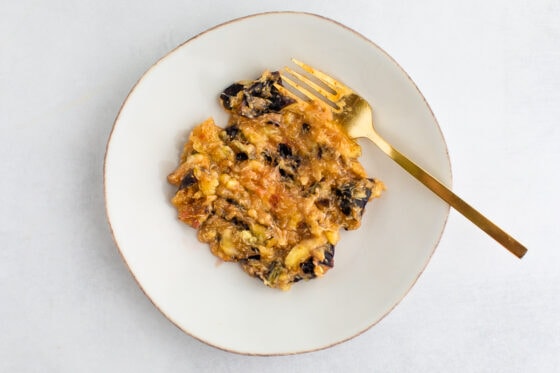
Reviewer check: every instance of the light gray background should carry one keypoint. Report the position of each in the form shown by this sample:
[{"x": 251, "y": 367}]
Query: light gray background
[{"x": 490, "y": 71}]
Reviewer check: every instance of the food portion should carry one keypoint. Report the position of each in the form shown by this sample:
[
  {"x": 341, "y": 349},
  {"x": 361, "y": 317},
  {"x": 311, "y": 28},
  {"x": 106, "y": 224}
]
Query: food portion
[{"x": 274, "y": 187}]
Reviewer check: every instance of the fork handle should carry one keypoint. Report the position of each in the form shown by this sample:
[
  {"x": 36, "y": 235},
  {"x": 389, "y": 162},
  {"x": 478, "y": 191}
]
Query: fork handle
[{"x": 451, "y": 198}]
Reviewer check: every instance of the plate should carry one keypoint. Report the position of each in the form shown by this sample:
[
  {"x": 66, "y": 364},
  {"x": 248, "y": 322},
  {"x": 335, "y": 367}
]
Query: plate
[{"x": 217, "y": 303}]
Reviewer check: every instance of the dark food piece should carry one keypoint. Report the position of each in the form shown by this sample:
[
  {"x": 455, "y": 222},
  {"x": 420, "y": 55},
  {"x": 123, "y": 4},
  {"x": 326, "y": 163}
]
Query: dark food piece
[
  {"x": 188, "y": 180},
  {"x": 230, "y": 92},
  {"x": 319, "y": 152},
  {"x": 232, "y": 201},
  {"x": 255, "y": 98},
  {"x": 240, "y": 223},
  {"x": 232, "y": 131},
  {"x": 329, "y": 256},
  {"x": 308, "y": 267},
  {"x": 241, "y": 156},
  {"x": 284, "y": 150},
  {"x": 286, "y": 174},
  {"x": 353, "y": 197}
]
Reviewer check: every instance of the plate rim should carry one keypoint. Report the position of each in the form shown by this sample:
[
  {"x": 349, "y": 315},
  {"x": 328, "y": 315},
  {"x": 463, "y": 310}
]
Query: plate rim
[{"x": 179, "y": 46}]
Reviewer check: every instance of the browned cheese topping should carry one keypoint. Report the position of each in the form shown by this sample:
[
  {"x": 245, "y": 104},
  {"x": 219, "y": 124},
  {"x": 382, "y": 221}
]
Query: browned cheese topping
[{"x": 273, "y": 189}]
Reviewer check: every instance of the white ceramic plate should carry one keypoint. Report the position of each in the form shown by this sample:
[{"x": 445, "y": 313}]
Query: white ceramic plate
[{"x": 375, "y": 266}]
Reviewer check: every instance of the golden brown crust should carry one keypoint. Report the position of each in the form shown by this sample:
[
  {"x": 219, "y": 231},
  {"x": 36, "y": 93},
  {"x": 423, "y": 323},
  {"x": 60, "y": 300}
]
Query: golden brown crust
[{"x": 271, "y": 191}]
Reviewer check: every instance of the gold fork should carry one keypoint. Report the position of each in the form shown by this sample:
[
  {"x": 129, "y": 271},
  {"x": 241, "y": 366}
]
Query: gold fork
[{"x": 355, "y": 114}]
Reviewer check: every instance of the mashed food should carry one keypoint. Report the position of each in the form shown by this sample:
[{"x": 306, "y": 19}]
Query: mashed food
[{"x": 273, "y": 188}]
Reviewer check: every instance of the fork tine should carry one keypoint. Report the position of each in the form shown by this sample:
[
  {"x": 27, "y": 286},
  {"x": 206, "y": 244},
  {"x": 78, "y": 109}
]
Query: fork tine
[
  {"x": 313, "y": 85},
  {"x": 328, "y": 80},
  {"x": 301, "y": 89}
]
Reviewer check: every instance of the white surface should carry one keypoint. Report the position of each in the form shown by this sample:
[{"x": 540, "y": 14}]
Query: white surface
[
  {"x": 376, "y": 265},
  {"x": 491, "y": 73}
]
